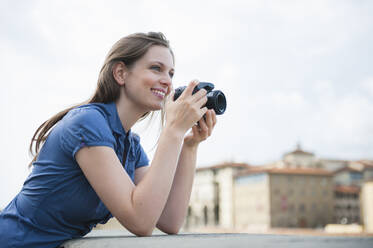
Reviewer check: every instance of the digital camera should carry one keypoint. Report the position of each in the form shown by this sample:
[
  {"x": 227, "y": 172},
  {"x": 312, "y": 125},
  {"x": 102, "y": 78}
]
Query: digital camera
[{"x": 215, "y": 98}]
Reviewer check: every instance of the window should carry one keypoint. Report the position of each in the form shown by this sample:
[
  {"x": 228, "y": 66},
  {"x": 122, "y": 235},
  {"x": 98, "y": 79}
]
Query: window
[
  {"x": 314, "y": 207},
  {"x": 323, "y": 182},
  {"x": 216, "y": 214},
  {"x": 356, "y": 176},
  {"x": 205, "y": 215},
  {"x": 302, "y": 208},
  {"x": 291, "y": 208},
  {"x": 189, "y": 216},
  {"x": 291, "y": 191}
]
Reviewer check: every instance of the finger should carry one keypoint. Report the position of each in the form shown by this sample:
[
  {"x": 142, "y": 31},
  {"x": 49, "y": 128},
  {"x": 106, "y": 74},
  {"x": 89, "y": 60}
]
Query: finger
[
  {"x": 199, "y": 94},
  {"x": 214, "y": 120},
  {"x": 170, "y": 96},
  {"x": 203, "y": 125},
  {"x": 204, "y": 129},
  {"x": 169, "y": 99},
  {"x": 189, "y": 89},
  {"x": 195, "y": 130},
  {"x": 209, "y": 121},
  {"x": 202, "y": 101},
  {"x": 202, "y": 111},
  {"x": 171, "y": 92}
]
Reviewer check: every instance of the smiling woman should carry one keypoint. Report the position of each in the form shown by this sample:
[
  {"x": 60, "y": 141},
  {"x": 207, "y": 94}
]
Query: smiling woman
[{"x": 89, "y": 166}]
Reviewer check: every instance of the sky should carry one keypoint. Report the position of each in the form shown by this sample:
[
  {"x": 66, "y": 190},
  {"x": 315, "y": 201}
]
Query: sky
[{"x": 292, "y": 72}]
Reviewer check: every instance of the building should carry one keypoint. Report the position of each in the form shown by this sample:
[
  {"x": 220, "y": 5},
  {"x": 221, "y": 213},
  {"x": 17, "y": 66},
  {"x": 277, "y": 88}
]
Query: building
[
  {"x": 366, "y": 198},
  {"x": 367, "y": 205},
  {"x": 300, "y": 190},
  {"x": 283, "y": 197},
  {"x": 347, "y": 204},
  {"x": 347, "y": 181},
  {"x": 211, "y": 202},
  {"x": 300, "y": 159}
]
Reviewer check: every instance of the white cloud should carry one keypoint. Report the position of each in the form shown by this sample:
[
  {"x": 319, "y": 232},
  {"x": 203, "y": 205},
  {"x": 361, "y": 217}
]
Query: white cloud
[{"x": 367, "y": 86}]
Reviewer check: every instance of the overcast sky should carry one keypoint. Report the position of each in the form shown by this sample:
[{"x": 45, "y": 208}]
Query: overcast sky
[{"x": 292, "y": 71}]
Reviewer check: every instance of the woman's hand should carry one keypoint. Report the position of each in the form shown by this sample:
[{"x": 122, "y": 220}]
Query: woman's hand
[
  {"x": 201, "y": 131},
  {"x": 183, "y": 113}
]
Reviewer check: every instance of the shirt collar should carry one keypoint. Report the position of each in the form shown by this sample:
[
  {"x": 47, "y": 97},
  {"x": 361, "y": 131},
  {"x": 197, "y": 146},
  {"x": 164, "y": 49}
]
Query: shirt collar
[
  {"x": 116, "y": 125},
  {"x": 114, "y": 120}
]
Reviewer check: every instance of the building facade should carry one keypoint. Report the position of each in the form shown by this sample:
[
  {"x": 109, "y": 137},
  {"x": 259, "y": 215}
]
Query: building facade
[
  {"x": 211, "y": 202},
  {"x": 291, "y": 197},
  {"x": 347, "y": 205},
  {"x": 367, "y": 205},
  {"x": 298, "y": 191}
]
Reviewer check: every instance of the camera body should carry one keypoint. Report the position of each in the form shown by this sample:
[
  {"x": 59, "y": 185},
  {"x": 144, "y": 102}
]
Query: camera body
[{"x": 215, "y": 98}]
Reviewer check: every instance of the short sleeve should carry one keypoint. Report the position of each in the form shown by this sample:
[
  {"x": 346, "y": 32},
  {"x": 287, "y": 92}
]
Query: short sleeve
[
  {"x": 85, "y": 127},
  {"x": 142, "y": 158}
]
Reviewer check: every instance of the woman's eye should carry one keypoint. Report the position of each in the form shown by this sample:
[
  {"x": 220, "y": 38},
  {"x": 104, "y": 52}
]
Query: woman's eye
[{"x": 155, "y": 67}]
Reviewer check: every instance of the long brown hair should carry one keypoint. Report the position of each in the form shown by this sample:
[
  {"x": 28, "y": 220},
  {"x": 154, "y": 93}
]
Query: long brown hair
[{"x": 129, "y": 49}]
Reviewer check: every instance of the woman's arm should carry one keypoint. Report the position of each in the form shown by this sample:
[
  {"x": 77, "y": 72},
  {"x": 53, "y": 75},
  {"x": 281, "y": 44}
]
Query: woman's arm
[
  {"x": 139, "y": 207},
  {"x": 174, "y": 213}
]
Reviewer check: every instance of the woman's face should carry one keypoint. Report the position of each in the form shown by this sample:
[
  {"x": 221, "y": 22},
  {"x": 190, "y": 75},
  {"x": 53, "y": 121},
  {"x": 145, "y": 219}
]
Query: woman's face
[{"x": 149, "y": 80}]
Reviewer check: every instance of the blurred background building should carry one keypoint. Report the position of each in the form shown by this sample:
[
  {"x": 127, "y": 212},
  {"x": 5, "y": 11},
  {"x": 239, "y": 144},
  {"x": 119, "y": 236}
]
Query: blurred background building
[
  {"x": 283, "y": 197},
  {"x": 299, "y": 191}
]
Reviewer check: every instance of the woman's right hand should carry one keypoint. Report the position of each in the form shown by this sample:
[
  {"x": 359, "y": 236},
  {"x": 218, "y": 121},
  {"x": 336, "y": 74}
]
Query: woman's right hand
[{"x": 183, "y": 113}]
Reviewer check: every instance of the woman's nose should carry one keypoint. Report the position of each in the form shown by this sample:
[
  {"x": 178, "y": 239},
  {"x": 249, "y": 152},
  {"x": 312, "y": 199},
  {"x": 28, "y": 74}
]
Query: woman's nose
[{"x": 166, "y": 81}]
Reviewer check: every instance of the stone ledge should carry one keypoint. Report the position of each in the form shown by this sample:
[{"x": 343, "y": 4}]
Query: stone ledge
[{"x": 237, "y": 240}]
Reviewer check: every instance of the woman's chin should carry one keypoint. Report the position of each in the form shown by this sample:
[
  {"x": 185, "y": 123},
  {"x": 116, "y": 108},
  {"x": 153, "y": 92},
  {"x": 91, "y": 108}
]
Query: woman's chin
[{"x": 156, "y": 107}]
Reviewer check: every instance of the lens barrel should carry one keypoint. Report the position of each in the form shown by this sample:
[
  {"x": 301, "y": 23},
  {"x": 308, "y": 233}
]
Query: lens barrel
[{"x": 216, "y": 101}]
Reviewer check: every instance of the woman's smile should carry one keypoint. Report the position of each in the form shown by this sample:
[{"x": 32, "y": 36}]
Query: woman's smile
[{"x": 160, "y": 93}]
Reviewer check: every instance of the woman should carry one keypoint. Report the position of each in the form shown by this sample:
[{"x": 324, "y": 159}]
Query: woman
[{"x": 91, "y": 167}]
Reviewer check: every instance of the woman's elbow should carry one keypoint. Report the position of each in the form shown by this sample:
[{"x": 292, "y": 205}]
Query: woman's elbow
[
  {"x": 170, "y": 229},
  {"x": 140, "y": 229},
  {"x": 143, "y": 232}
]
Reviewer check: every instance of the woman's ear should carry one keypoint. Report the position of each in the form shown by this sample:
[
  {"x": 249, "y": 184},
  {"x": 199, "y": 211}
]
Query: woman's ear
[{"x": 120, "y": 72}]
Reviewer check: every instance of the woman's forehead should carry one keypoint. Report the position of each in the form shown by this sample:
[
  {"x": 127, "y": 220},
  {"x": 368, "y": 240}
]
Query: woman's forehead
[{"x": 159, "y": 54}]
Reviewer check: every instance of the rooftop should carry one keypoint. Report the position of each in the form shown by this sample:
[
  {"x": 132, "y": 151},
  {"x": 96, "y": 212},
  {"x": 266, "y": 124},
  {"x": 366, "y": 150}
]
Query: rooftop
[
  {"x": 299, "y": 151},
  {"x": 225, "y": 165},
  {"x": 292, "y": 171}
]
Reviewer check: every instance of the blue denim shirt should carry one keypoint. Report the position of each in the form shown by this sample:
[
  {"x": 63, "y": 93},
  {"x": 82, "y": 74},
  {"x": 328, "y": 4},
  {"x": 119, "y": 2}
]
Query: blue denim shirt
[{"x": 56, "y": 202}]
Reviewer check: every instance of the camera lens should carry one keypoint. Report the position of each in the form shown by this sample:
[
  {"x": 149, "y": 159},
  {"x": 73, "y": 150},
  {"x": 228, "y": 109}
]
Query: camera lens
[
  {"x": 221, "y": 103},
  {"x": 216, "y": 100}
]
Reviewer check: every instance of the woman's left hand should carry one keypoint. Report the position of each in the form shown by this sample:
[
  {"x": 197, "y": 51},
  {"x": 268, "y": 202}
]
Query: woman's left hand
[{"x": 201, "y": 131}]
